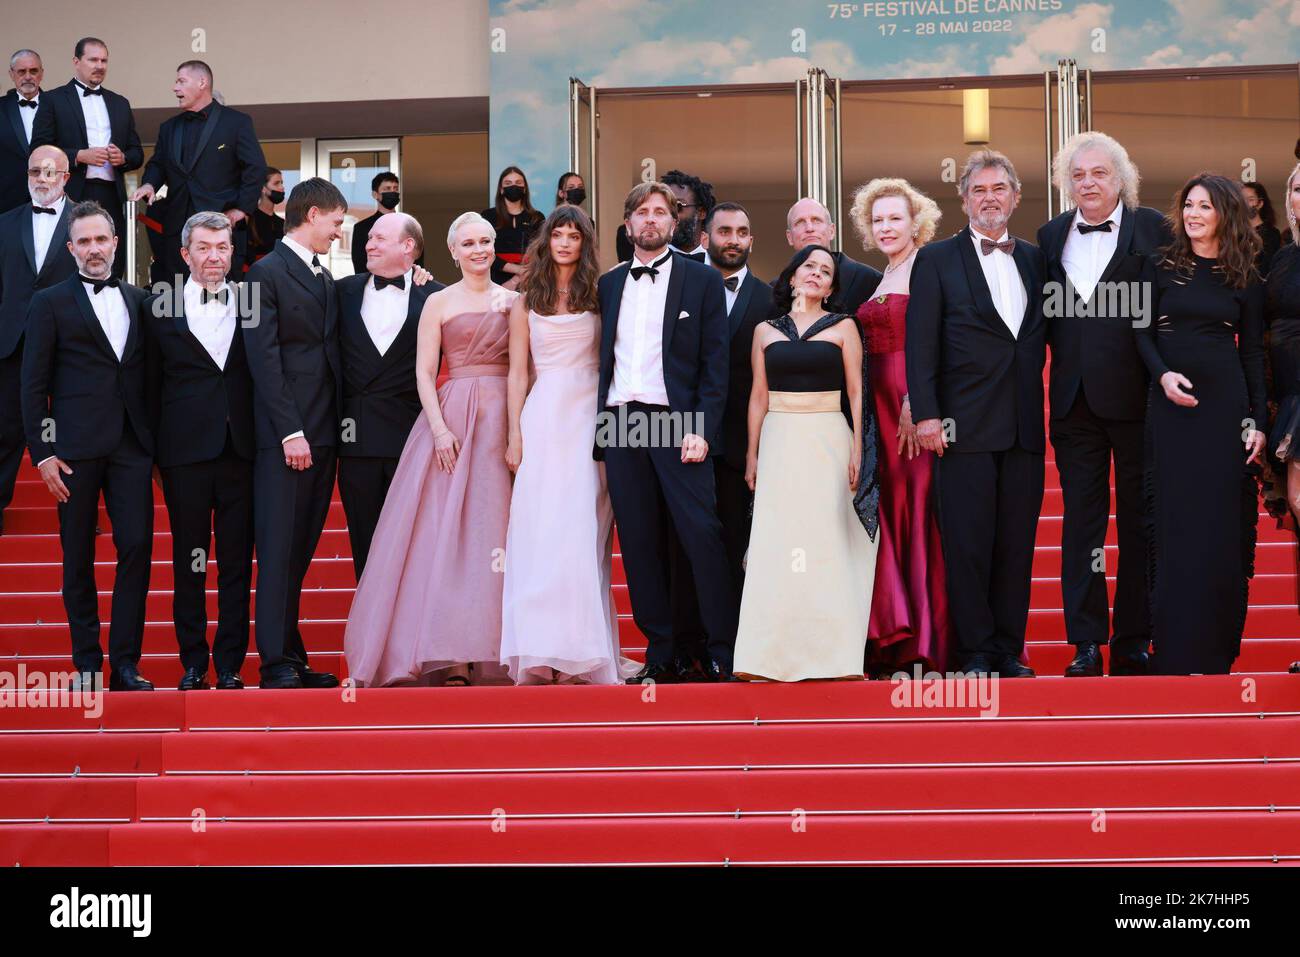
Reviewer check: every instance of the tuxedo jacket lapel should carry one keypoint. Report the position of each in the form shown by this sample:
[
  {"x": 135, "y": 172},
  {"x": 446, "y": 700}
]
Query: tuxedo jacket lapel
[
  {"x": 78, "y": 114},
  {"x": 57, "y": 241},
  {"x": 92, "y": 320},
  {"x": 673, "y": 303},
  {"x": 183, "y": 329},
  {"x": 300, "y": 271},
  {"x": 978, "y": 285},
  {"x": 1029, "y": 277},
  {"x": 13, "y": 113},
  {"x": 1124, "y": 242},
  {"x": 609, "y": 321},
  {"x": 741, "y": 305},
  {"x": 408, "y": 332},
  {"x": 29, "y": 240},
  {"x": 132, "y": 297}
]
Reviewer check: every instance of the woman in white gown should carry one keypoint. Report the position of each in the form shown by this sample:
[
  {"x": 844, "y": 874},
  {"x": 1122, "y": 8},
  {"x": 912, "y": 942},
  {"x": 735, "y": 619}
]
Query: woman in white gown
[{"x": 558, "y": 621}]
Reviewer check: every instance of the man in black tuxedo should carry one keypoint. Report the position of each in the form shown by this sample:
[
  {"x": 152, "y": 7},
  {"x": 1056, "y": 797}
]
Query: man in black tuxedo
[
  {"x": 730, "y": 240},
  {"x": 17, "y": 120},
  {"x": 809, "y": 223},
  {"x": 1098, "y": 395},
  {"x": 209, "y": 158},
  {"x": 96, "y": 129},
  {"x": 379, "y": 315},
  {"x": 201, "y": 411},
  {"x": 664, "y": 352},
  {"x": 292, "y": 344},
  {"x": 33, "y": 255},
  {"x": 976, "y": 344},
  {"x": 87, "y": 427}
]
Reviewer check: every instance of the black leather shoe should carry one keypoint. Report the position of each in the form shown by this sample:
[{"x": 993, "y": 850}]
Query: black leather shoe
[
  {"x": 281, "y": 679},
  {"x": 977, "y": 664},
  {"x": 690, "y": 669},
  {"x": 1295, "y": 668},
  {"x": 714, "y": 671},
  {"x": 128, "y": 678},
  {"x": 229, "y": 681},
  {"x": 194, "y": 680},
  {"x": 318, "y": 679},
  {"x": 1086, "y": 663},
  {"x": 1009, "y": 666},
  {"x": 659, "y": 674},
  {"x": 1138, "y": 664}
]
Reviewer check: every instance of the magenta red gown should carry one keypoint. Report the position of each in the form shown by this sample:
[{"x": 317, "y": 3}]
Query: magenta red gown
[{"x": 909, "y": 606}]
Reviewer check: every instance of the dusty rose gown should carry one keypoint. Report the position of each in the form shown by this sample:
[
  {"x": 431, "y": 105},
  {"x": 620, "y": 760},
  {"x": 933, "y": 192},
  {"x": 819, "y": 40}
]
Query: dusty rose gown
[
  {"x": 909, "y": 606},
  {"x": 430, "y": 597}
]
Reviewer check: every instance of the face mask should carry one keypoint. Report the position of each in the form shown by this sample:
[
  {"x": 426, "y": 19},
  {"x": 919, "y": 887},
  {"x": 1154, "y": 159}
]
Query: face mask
[
  {"x": 389, "y": 200},
  {"x": 575, "y": 196},
  {"x": 513, "y": 193},
  {"x": 277, "y": 196}
]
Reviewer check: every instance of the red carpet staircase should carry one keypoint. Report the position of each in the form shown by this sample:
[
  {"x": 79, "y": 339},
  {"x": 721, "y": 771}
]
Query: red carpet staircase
[{"x": 1136, "y": 770}]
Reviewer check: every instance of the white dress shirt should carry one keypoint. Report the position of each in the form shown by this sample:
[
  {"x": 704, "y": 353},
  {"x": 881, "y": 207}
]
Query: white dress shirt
[
  {"x": 1086, "y": 254},
  {"x": 731, "y": 296},
  {"x": 1005, "y": 284},
  {"x": 28, "y": 115},
  {"x": 99, "y": 132},
  {"x": 212, "y": 322},
  {"x": 43, "y": 226},
  {"x": 384, "y": 311},
  {"x": 639, "y": 339},
  {"x": 306, "y": 255}
]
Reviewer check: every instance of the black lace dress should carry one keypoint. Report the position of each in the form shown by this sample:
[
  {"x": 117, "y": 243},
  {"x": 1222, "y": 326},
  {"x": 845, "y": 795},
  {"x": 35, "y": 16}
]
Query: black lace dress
[{"x": 1202, "y": 498}]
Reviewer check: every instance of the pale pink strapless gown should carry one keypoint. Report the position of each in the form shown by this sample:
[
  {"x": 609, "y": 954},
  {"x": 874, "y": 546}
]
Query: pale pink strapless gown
[
  {"x": 557, "y": 612},
  {"x": 430, "y": 597}
]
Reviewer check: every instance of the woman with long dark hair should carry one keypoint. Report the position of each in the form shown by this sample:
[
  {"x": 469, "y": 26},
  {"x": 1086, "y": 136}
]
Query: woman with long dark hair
[
  {"x": 558, "y": 621},
  {"x": 513, "y": 217},
  {"x": 1264, "y": 220},
  {"x": 1202, "y": 341},
  {"x": 570, "y": 189},
  {"x": 812, "y": 465}
]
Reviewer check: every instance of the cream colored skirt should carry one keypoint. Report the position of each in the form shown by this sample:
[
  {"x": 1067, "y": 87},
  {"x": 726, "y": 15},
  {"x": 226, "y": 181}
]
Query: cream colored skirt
[{"x": 811, "y": 565}]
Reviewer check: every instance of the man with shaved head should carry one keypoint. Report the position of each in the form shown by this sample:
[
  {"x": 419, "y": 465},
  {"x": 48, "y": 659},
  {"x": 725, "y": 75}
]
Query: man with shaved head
[
  {"x": 17, "y": 117},
  {"x": 379, "y": 313},
  {"x": 209, "y": 159},
  {"x": 33, "y": 255},
  {"x": 809, "y": 222}
]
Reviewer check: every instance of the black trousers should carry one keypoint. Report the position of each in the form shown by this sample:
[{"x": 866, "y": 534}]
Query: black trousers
[
  {"x": 1085, "y": 444},
  {"x": 202, "y": 499},
  {"x": 736, "y": 512},
  {"x": 289, "y": 512},
  {"x": 649, "y": 488},
  {"x": 105, "y": 193},
  {"x": 126, "y": 480},
  {"x": 988, "y": 517},
  {"x": 363, "y": 485},
  {"x": 12, "y": 438}
]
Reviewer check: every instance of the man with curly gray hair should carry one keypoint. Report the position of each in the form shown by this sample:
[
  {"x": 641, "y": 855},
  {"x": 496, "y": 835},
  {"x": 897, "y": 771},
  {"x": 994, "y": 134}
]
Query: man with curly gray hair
[{"x": 1098, "y": 394}]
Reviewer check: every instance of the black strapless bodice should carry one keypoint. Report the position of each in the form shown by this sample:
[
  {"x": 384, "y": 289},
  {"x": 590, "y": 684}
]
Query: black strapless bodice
[{"x": 804, "y": 366}]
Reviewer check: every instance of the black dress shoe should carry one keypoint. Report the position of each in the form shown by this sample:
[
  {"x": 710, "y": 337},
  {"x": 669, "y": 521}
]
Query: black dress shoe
[
  {"x": 1295, "y": 668},
  {"x": 194, "y": 680},
  {"x": 690, "y": 669},
  {"x": 1009, "y": 666},
  {"x": 977, "y": 664},
  {"x": 318, "y": 679},
  {"x": 229, "y": 681},
  {"x": 715, "y": 672},
  {"x": 281, "y": 679},
  {"x": 128, "y": 678},
  {"x": 1086, "y": 663},
  {"x": 659, "y": 674},
  {"x": 1137, "y": 664}
]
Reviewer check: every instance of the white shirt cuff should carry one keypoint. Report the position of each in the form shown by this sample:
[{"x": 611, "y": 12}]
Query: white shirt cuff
[
  {"x": 46, "y": 459},
  {"x": 296, "y": 435}
]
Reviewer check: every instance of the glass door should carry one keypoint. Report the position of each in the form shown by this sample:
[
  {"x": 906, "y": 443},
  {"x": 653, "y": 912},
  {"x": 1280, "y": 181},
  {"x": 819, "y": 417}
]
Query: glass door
[
  {"x": 820, "y": 159},
  {"x": 351, "y": 165},
  {"x": 582, "y": 141}
]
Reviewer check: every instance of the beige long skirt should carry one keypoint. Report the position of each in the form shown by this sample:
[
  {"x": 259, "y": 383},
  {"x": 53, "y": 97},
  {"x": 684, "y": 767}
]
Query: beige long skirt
[{"x": 811, "y": 564}]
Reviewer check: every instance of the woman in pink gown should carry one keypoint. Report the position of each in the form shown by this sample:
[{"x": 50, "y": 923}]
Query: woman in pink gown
[
  {"x": 909, "y": 606},
  {"x": 558, "y": 621},
  {"x": 428, "y": 607}
]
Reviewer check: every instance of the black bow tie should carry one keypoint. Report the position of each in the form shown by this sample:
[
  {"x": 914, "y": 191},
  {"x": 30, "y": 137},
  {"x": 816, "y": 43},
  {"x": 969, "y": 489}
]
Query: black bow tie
[
  {"x": 195, "y": 115},
  {"x": 1084, "y": 228},
  {"x": 222, "y": 296},
  {"x": 31, "y": 103},
  {"x": 87, "y": 91},
  {"x": 99, "y": 284},
  {"x": 652, "y": 270},
  {"x": 381, "y": 282},
  {"x": 731, "y": 282},
  {"x": 42, "y": 209},
  {"x": 698, "y": 257}
]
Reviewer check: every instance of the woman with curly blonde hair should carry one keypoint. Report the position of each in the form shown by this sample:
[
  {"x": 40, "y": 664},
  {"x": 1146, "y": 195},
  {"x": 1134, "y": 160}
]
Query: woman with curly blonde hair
[{"x": 909, "y": 609}]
